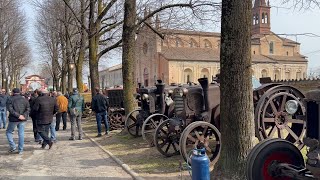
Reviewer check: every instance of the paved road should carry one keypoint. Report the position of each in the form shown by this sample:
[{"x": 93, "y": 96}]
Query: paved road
[{"x": 66, "y": 160}]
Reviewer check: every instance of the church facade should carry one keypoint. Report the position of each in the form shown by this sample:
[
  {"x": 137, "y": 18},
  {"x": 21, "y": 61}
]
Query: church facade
[{"x": 184, "y": 56}]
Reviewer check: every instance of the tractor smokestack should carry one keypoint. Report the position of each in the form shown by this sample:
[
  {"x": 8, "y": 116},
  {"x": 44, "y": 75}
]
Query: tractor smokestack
[
  {"x": 204, "y": 85},
  {"x": 160, "y": 88}
]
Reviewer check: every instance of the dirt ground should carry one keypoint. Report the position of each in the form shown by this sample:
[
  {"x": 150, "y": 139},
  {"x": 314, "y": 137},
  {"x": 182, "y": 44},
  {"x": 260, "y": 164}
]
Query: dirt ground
[{"x": 137, "y": 154}]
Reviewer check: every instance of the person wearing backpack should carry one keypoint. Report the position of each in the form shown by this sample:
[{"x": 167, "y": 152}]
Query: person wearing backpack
[
  {"x": 75, "y": 109},
  {"x": 3, "y": 108}
]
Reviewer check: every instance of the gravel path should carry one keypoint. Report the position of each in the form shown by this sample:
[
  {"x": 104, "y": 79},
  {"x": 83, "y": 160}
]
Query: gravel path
[{"x": 66, "y": 160}]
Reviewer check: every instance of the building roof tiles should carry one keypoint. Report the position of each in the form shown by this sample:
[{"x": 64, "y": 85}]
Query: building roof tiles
[{"x": 208, "y": 54}]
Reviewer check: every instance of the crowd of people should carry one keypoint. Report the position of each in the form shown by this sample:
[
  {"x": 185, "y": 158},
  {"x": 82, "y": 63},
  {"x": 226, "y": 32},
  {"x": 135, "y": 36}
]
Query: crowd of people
[{"x": 41, "y": 106}]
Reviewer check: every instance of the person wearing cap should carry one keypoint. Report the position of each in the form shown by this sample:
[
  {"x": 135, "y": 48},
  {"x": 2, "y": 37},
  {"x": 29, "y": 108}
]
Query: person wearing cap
[
  {"x": 75, "y": 109},
  {"x": 45, "y": 106},
  {"x": 19, "y": 109}
]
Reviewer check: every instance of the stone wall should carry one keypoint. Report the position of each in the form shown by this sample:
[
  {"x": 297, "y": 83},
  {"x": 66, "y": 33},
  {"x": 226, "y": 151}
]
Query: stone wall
[{"x": 303, "y": 85}]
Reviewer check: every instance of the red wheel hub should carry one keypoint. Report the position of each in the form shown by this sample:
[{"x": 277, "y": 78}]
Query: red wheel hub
[{"x": 277, "y": 156}]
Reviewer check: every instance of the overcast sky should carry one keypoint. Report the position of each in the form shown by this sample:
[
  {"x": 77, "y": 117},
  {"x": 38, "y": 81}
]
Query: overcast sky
[{"x": 283, "y": 21}]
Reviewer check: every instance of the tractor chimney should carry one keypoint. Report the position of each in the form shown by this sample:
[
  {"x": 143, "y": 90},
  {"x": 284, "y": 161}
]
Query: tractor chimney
[
  {"x": 160, "y": 89},
  {"x": 204, "y": 85}
]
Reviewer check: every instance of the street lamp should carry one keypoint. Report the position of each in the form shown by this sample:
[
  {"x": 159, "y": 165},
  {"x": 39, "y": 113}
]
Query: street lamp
[
  {"x": 70, "y": 77},
  {"x": 71, "y": 66},
  {"x": 5, "y": 84}
]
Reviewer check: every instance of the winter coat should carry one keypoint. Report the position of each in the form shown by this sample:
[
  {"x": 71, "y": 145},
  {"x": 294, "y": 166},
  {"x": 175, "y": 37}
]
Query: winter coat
[
  {"x": 3, "y": 101},
  {"x": 76, "y": 101},
  {"x": 18, "y": 105},
  {"x": 31, "y": 103},
  {"x": 99, "y": 103},
  {"x": 62, "y": 103},
  {"x": 45, "y": 107}
]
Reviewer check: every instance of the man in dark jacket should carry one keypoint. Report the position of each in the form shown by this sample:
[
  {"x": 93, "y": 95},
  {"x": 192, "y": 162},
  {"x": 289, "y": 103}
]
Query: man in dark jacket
[
  {"x": 75, "y": 104},
  {"x": 100, "y": 107},
  {"x": 3, "y": 108},
  {"x": 18, "y": 108},
  {"x": 45, "y": 107},
  {"x": 33, "y": 115}
]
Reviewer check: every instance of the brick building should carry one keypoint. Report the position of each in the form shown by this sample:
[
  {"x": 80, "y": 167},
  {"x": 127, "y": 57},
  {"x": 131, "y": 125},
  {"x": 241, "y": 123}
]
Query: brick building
[{"x": 184, "y": 56}]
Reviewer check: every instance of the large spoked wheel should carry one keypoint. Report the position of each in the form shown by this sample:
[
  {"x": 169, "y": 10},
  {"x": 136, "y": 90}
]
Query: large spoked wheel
[
  {"x": 204, "y": 133},
  {"x": 116, "y": 120},
  {"x": 132, "y": 124},
  {"x": 264, "y": 157},
  {"x": 149, "y": 127},
  {"x": 273, "y": 121},
  {"x": 167, "y": 136}
]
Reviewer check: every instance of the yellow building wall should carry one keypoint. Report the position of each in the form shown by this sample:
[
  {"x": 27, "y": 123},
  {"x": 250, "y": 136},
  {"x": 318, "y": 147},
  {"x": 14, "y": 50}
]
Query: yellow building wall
[{"x": 175, "y": 71}]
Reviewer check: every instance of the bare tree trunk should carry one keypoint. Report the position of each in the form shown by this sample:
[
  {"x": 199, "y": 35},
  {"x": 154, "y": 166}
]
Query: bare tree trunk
[
  {"x": 68, "y": 49},
  {"x": 63, "y": 69},
  {"x": 55, "y": 65},
  {"x": 237, "y": 130},
  {"x": 128, "y": 54},
  {"x": 3, "y": 62},
  {"x": 79, "y": 64},
  {"x": 93, "y": 46}
]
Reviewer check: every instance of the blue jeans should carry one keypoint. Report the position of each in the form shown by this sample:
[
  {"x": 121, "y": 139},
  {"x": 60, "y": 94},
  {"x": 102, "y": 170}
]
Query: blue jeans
[
  {"x": 9, "y": 133},
  {"x": 99, "y": 117},
  {"x": 3, "y": 117},
  {"x": 43, "y": 130},
  {"x": 53, "y": 135}
]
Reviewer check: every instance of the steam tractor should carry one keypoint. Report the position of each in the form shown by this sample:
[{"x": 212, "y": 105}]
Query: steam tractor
[
  {"x": 153, "y": 105},
  {"x": 281, "y": 159},
  {"x": 116, "y": 108},
  {"x": 197, "y": 118}
]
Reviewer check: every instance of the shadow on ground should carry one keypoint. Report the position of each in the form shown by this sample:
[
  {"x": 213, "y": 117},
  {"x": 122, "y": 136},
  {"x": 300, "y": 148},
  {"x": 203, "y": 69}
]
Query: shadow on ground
[{"x": 137, "y": 154}]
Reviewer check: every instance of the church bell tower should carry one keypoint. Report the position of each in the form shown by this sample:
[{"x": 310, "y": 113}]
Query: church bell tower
[{"x": 261, "y": 17}]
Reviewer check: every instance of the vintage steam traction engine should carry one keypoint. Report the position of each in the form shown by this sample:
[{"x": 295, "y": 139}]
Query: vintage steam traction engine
[{"x": 280, "y": 159}]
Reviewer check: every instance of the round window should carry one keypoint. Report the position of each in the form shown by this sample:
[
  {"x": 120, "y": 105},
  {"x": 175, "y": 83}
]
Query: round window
[{"x": 145, "y": 48}]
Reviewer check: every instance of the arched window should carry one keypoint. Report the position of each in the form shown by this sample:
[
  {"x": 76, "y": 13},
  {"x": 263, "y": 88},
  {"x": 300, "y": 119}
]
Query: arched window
[
  {"x": 188, "y": 75},
  {"x": 207, "y": 43},
  {"x": 257, "y": 18},
  {"x": 271, "y": 47},
  {"x": 193, "y": 43},
  {"x": 146, "y": 77},
  {"x": 264, "y": 73},
  {"x": 262, "y": 19},
  {"x": 287, "y": 74},
  {"x": 298, "y": 75},
  {"x": 276, "y": 75},
  {"x": 204, "y": 73},
  {"x": 145, "y": 48},
  {"x": 179, "y": 42},
  {"x": 266, "y": 18},
  {"x": 254, "y": 20}
]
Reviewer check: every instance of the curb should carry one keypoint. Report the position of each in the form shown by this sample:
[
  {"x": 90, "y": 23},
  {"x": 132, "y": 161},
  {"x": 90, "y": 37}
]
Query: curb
[{"x": 124, "y": 166}]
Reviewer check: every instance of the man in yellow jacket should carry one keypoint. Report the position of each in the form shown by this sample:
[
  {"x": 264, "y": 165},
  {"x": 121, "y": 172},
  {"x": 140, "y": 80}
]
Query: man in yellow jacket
[{"x": 62, "y": 103}]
